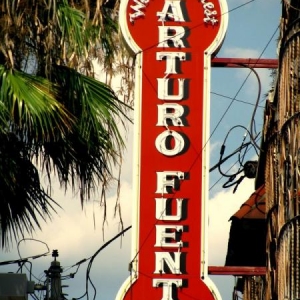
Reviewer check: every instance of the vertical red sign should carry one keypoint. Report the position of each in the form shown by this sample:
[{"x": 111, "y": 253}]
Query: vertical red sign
[{"x": 173, "y": 41}]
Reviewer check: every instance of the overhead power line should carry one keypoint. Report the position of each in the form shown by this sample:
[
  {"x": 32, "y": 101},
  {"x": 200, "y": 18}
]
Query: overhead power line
[{"x": 237, "y": 100}]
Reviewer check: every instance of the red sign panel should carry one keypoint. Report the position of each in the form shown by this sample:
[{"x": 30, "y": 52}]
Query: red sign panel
[{"x": 173, "y": 41}]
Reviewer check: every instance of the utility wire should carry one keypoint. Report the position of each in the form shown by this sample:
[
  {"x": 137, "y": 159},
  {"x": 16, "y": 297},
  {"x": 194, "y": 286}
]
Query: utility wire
[
  {"x": 91, "y": 259},
  {"x": 25, "y": 259},
  {"x": 228, "y": 156},
  {"x": 211, "y": 187},
  {"x": 34, "y": 256},
  {"x": 237, "y": 100},
  {"x": 233, "y": 99},
  {"x": 242, "y": 85}
]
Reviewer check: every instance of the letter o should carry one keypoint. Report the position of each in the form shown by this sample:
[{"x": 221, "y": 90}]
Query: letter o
[{"x": 169, "y": 143}]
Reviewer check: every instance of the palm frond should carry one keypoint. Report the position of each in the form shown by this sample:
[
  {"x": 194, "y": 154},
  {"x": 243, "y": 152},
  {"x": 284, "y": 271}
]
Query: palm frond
[
  {"x": 4, "y": 117},
  {"x": 69, "y": 122},
  {"x": 92, "y": 102},
  {"x": 86, "y": 154},
  {"x": 71, "y": 23},
  {"x": 22, "y": 197},
  {"x": 32, "y": 105}
]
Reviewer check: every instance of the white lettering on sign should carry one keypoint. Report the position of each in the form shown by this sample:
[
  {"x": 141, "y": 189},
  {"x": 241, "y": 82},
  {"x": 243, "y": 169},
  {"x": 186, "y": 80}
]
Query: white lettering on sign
[
  {"x": 167, "y": 286},
  {"x": 167, "y": 180},
  {"x": 209, "y": 12},
  {"x": 166, "y": 233},
  {"x": 169, "y": 111},
  {"x": 171, "y": 10},
  {"x": 170, "y": 34},
  {"x": 161, "y": 209},
  {"x": 137, "y": 8},
  {"x": 165, "y": 258},
  {"x": 169, "y": 143},
  {"x": 164, "y": 87},
  {"x": 171, "y": 60}
]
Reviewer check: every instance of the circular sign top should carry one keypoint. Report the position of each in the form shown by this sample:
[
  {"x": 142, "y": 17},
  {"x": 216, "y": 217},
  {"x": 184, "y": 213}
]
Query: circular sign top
[{"x": 197, "y": 24}]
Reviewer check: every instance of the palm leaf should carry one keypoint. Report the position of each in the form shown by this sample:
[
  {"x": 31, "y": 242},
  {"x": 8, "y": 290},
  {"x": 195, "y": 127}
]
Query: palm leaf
[
  {"x": 69, "y": 122},
  {"x": 71, "y": 23},
  {"x": 32, "y": 105},
  {"x": 22, "y": 198},
  {"x": 85, "y": 155},
  {"x": 92, "y": 102},
  {"x": 4, "y": 117}
]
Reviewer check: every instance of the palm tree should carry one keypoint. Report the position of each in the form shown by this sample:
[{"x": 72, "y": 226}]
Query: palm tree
[{"x": 54, "y": 116}]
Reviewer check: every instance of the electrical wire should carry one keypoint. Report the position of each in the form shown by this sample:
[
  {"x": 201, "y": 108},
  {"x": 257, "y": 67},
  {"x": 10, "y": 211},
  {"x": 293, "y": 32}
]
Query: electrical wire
[
  {"x": 192, "y": 28},
  {"x": 78, "y": 266},
  {"x": 220, "y": 178},
  {"x": 212, "y": 186},
  {"x": 233, "y": 99},
  {"x": 40, "y": 296},
  {"x": 242, "y": 85},
  {"x": 30, "y": 268},
  {"x": 252, "y": 122},
  {"x": 237, "y": 100},
  {"x": 91, "y": 260},
  {"x": 22, "y": 261},
  {"x": 228, "y": 107},
  {"x": 34, "y": 296},
  {"x": 250, "y": 133},
  {"x": 9, "y": 262},
  {"x": 238, "y": 150},
  {"x": 34, "y": 256},
  {"x": 230, "y": 182},
  {"x": 221, "y": 161},
  {"x": 25, "y": 259}
]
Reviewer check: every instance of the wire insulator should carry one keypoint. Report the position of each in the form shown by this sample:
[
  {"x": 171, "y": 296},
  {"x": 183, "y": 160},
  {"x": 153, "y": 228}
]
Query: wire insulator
[{"x": 55, "y": 253}]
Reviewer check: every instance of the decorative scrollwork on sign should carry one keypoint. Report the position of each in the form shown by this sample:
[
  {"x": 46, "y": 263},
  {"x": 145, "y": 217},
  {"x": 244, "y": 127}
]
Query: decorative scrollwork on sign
[
  {"x": 138, "y": 9},
  {"x": 209, "y": 12}
]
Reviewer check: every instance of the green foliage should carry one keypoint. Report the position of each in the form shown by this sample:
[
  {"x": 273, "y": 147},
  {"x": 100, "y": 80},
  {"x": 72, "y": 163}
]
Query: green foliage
[
  {"x": 31, "y": 105},
  {"x": 54, "y": 116},
  {"x": 71, "y": 24}
]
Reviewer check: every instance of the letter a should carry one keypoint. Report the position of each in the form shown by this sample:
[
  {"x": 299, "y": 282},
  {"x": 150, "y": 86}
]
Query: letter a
[{"x": 172, "y": 10}]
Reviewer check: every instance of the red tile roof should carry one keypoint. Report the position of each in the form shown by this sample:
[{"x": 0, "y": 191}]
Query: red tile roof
[{"x": 254, "y": 207}]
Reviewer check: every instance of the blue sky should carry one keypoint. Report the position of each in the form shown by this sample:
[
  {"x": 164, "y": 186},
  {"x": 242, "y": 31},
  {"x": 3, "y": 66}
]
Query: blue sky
[{"x": 73, "y": 232}]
